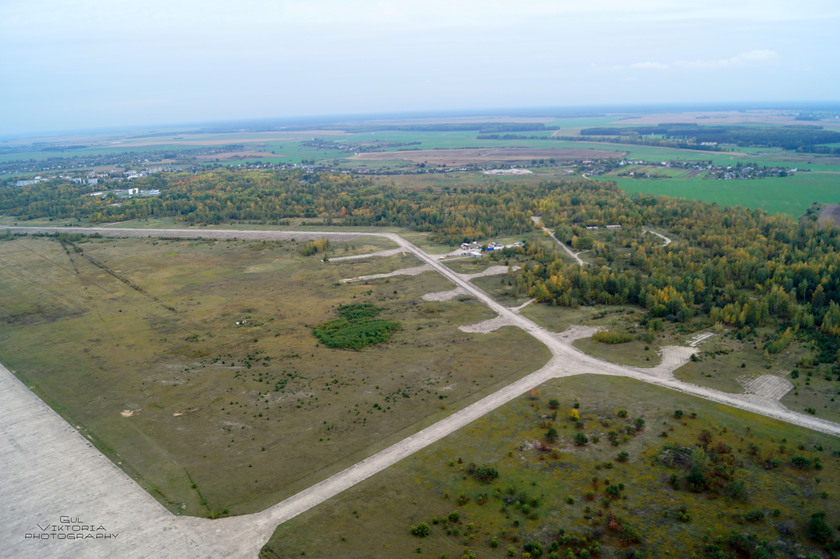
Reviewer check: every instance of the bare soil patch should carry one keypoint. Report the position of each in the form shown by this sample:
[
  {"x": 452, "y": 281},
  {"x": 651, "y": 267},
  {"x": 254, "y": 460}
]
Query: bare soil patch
[
  {"x": 830, "y": 213},
  {"x": 220, "y": 139},
  {"x": 716, "y": 117},
  {"x": 483, "y": 155},
  {"x": 444, "y": 295},
  {"x": 486, "y": 326},
  {"x": 234, "y": 155}
]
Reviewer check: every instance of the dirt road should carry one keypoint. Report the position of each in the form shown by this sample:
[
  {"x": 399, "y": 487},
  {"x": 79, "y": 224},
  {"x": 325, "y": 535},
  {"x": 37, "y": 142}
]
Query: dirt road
[{"x": 550, "y": 233}]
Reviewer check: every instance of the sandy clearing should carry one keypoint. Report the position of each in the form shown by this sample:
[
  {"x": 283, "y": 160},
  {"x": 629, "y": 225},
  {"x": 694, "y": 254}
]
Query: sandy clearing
[
  {"x": 829, "y": 214},
  {"x": 486, "y": 326},
  {"x": 700, "y": 338},
  {"x": 672, "y": 357},
  {"x": 389, "y": 252},
  {"x": 442, "y": 296},
  {"x": 404, "y": 272},
  {"x": 491, "y": 271},
  {"x": 575, "y": 332}
]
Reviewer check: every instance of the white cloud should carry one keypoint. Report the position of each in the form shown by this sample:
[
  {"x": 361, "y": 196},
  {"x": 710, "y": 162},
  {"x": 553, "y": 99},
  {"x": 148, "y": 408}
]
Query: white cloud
[
  {"x": 750, "y": 58},
  {"x": 648, "y": 66}
]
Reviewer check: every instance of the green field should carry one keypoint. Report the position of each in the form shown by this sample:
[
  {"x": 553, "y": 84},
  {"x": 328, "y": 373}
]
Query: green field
[
  {"x": 549, "y": 492},
  {"x": 192, "y": 364},
  {"x": 791, "y": 195}
]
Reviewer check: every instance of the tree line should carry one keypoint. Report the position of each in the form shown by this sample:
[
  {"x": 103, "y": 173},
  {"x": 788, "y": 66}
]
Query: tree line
[{"x": 736, "y": 266}]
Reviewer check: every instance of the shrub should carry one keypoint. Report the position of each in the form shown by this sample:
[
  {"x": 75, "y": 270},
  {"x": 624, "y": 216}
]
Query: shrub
[
  {"x": 817, "y": 528},
  {"x": 629, "y": 535},
  {"x": 610, "y": 337},
  {"x": 313, "y": 247},
  {"x": 485, "y": 473},
  {"x": 534, "y": 548},
  {"x": 801, "y": 462},
  {"x": 737, "y": 490},
  {"x": 421, "y": 530},
  {"x": 754, "y": 515},
  {"x": 551, "y": 435},
  {"x": 581, "y": 439},
  {"x": 696, "y": 479}
]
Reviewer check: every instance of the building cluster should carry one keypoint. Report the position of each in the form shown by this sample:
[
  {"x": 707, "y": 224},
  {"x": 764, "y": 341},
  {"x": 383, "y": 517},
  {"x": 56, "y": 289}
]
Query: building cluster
[
  {"x": 93, "y": 178},
  {"x": 475, "y": 250},
  {"x": 639, "y": 168}
]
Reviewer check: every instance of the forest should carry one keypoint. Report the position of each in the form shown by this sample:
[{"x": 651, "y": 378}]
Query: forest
[
  {"x": 733, "y": 266},
  {"x": 802, "y": 138}
]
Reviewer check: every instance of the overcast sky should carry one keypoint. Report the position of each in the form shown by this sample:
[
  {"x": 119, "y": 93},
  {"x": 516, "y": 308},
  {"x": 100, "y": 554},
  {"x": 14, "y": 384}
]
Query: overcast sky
[{"x": 71, "y": 64}]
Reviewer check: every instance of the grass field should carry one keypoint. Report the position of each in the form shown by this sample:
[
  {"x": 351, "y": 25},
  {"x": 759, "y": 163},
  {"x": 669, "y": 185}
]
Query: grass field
[
  {"x": 790, "y": 195},
  {"x": 549, "y": 492},
  {"x": 193, "y": 366},
  {"x": 634, "y": 353}
]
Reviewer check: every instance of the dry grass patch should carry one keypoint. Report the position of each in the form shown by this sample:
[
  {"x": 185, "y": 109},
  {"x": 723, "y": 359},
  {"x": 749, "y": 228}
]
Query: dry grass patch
[
  {"x": 223, "y": 329},
  {"x": 608, "y": 498}
]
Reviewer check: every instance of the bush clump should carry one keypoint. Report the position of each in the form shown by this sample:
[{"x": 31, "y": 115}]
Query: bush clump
[
  {"x": 358, "y": 327},
  {"x": 610, "y": 337}
]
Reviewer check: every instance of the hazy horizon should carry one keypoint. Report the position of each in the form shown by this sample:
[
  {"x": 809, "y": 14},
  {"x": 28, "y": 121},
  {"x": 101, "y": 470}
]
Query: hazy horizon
[{"x": 96, "y": 64}]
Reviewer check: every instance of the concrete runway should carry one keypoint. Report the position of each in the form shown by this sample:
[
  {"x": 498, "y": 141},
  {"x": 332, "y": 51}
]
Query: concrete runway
[{"x": 62, "y": 498}]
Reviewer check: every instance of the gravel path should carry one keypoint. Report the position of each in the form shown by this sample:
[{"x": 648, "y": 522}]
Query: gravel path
[
  {"x": 444, "y": 295},
  {"x": 389, "y": 252},
  {"x": 566, "y": 248},
  {"x": 96, "y": 491},
  {"x": 666, "y": 240},
  {"x": 522, "y": 306},
  {"x": 490, "y": 271},
  {"x": 672, "y": 357},
  {"x": 486, "y": 326},
  {"x": 417, "y": 270}
]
